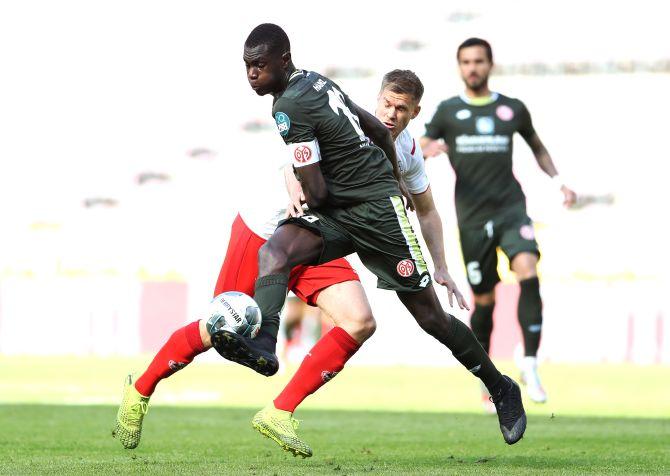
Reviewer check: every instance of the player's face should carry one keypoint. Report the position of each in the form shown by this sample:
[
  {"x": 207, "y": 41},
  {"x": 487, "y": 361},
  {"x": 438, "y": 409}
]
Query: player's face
[
  {"x": 475, "y": 66},
  {"x": 264, "y": 70},
  {"x": 395, "y": 110}
]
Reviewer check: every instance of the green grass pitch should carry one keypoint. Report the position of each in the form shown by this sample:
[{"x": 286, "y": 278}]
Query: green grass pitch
[{"x": 56, "y": 417}]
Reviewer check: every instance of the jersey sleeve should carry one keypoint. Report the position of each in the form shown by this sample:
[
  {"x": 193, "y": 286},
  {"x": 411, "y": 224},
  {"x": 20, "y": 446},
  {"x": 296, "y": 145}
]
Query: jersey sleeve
[
  {"x": 526, "y": 128},
  {"x": 296, "y": 128},
  {"x": 436, "y": 128},
  {"x": 415, "y": 176}
]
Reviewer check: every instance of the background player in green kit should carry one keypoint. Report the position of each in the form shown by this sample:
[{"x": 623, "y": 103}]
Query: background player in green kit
[
  {"x": 354, "y": 198},
  {"x": 477, "y": 128}
]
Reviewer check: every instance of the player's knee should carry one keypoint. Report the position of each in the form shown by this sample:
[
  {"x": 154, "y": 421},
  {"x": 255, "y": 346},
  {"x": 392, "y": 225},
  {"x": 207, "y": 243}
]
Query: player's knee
[
  {"x": 360, "y": 325},
  {"x": 271, "y": 260},
  {"x": 485, "y": 299},
  {"x": 526, "y": 273},
  {"x": 367, "y": 327}
]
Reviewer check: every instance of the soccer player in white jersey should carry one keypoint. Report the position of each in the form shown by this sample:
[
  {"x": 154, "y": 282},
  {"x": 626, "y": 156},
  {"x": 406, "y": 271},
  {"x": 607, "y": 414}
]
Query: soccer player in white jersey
[{"x": 334, "y": 287}]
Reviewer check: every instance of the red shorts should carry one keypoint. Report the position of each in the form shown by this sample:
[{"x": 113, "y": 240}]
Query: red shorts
[{"x": 240, "y": 268}]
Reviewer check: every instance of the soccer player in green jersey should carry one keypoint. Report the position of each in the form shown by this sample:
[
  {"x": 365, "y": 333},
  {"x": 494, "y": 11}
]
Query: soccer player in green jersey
[
  {"x": 346, "y": 162},
  {"x": 476, "y": 129}
]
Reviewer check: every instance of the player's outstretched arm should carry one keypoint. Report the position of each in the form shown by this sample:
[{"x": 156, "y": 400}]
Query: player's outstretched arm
[
  {"x": 547, "y": 165},
  {"x": 431, "y": 229}
]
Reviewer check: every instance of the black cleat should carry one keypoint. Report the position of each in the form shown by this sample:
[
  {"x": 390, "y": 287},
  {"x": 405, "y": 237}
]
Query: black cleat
[
  {"x": 511, "y": 414},
  {"x": 242, "y": 350}
]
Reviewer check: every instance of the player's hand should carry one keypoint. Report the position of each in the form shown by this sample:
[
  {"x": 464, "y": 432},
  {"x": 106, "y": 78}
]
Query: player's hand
[
  {"x": 435, "y": 147},
  {"x": 409, "y": 203},
  {"x": 295, "y": 194},
  {"x": 442, "y": 277},
  {"x": 569, "y": 197},
  {"x": 294, "y": 207}
]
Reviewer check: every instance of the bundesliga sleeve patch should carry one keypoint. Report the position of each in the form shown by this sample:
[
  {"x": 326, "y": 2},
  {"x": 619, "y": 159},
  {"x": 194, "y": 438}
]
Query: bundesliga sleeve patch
[
  {"x": 283, "y": 123},
  {"x": 305, "y": 153}
]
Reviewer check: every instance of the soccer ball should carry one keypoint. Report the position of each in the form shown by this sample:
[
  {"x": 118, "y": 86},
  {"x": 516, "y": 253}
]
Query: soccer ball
[{"x": 236, "y": 312}]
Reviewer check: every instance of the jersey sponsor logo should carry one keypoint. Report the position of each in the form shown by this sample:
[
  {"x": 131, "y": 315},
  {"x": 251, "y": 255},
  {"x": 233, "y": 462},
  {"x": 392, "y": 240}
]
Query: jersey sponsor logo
[
  {"x": 283, "y": 123},
  {"x": 318, "y": 86},
  {"x": 527, "y": 232},
  {"x": 470, "y": 144},
  {"x": 405, "y": 268},
  {"x": 463, "y": 114},
  {"x": 302, "y": 154},
  {"x": 485, "y": 125},
  {"x": 504, "y": 112}
]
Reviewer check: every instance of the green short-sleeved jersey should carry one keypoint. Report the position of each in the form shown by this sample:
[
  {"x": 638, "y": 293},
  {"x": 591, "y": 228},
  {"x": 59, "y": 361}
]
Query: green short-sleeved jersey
[
  {"x": 315, "y": 118},
  {"x": 479, "y": 138}
]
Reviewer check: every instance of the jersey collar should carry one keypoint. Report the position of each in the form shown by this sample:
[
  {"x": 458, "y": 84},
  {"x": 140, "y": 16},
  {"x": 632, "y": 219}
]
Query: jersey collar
[
  {"x": 295, "y": 74},
  {"x": 479, "y": 101}
]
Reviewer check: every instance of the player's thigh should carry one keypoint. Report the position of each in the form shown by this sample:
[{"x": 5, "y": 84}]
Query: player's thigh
[
  {"x": 308, "y": 282},
  {"x": 347, "y": 305},
  {"x": 386, "y": 244},
  {"x": 333, "y": 242},
  {"x": 240, "y": 266},
  {"x": 478, "y": 246},
  {"x": 518, "y": 243}
]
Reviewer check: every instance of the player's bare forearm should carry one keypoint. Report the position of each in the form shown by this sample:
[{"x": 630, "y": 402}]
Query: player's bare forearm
[
  {"x": 547, "y": 165},
  {"x": 313, "y": 185},
  {"x": 542, "y": 156},
  {"x": 380, "y": 135},
  {"x": 431, "y": 227}
]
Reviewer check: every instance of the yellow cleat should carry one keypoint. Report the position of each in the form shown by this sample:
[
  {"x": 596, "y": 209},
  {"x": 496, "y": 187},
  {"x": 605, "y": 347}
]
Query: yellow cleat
[
  {"x": 129, "y": 418},
  {"x": 280, "y": 426}
]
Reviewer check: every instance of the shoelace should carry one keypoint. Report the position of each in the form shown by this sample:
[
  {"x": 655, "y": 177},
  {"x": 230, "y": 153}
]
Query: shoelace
[
  {"x": 295, "y": 422},
  {"x": 137, "y": 411}
]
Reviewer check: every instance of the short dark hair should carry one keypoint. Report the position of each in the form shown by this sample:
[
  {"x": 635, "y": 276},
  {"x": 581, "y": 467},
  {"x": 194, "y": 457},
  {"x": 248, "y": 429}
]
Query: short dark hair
[
  {"x": 270, "y": 35},
  {"x": 403, "y": 81},
  {"x": 476, "y": 42}
]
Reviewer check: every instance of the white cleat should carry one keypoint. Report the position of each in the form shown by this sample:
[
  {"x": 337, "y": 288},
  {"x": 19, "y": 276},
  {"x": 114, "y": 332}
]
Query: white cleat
[{"x": 531, "y": 379}]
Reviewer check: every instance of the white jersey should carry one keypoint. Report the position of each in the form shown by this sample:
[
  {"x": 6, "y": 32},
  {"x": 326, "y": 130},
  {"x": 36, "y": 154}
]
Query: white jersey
[
  {"x": 410, "y": 163},
  {"x": 263, "y": 215}
]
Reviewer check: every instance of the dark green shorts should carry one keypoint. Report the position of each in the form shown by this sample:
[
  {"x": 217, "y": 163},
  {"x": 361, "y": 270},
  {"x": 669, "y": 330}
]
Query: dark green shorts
[
  {"x": 512, "y": 231},
  {"x": 380, "y": 233}
]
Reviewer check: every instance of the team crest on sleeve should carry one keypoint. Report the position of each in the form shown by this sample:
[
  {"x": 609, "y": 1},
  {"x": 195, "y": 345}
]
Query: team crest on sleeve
[
  {"x": 405, "y": 268},
  {"x": 302, "y": 154},
  {"x": 283, "y": 123},
  {"x": 504, "y": 112},
  {"x": 527, "y": 232}
]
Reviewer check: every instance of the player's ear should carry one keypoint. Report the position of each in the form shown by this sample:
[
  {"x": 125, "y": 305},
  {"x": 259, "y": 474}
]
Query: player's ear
[
  {"x": 417, "y": 110},
  {"x": 286, "y": 58}
]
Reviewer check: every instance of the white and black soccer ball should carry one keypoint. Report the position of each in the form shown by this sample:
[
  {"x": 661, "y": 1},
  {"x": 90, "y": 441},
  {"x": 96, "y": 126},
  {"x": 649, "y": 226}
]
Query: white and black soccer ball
[{"x": 236, "y": 312}]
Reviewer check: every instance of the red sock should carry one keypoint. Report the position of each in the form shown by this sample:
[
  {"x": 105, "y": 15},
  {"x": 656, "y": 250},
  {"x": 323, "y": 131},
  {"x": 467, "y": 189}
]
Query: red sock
[
  {"x": 320, "y": 365},
  {"x": 180, "y": 349}
]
